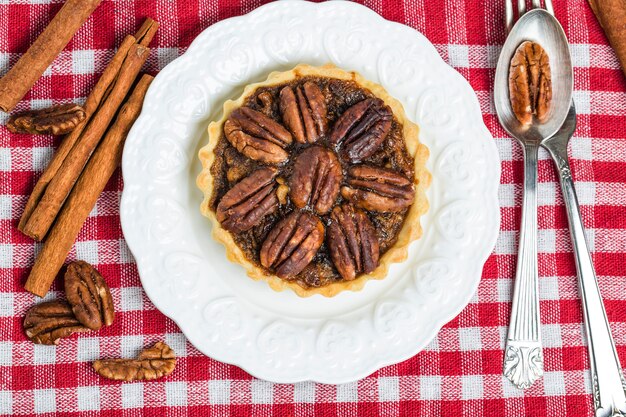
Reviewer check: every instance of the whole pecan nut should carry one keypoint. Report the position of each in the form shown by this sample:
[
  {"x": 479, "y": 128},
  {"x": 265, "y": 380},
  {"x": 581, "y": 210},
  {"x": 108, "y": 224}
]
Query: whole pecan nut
[
  {"x": 530, "y": 83},
  {"x": 304, "y": 112},
  {"x": 152, "y": 363},
  {"x": 257, "y": 136},
  {"x": 46, "y": 323},
  {"x": 352, "y": 242},
  {"x": 56, "y": 120},
  {"x": 249, "y": 201},
  {"x": 316, "y": 179},
  {"x": 378, "y": 189},
  {"x": 362, "y": 129},
  {"x": 292, "y": 244},
  {"x": 89, "y": 295}
]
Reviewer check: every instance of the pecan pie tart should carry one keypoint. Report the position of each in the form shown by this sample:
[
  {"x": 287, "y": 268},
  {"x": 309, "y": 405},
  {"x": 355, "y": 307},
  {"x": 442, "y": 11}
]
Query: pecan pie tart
[{"x": 314, "y": 180}]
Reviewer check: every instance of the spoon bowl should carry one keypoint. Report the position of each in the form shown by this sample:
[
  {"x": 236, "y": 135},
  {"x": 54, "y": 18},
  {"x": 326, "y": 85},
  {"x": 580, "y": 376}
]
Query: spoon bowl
[{"x": 541, "y": 27}]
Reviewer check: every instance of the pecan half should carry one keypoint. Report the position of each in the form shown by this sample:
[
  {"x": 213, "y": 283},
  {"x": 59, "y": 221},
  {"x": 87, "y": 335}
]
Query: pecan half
[
  {"x": 352, "y": 242},
  {"x": 304, "y": 112},
  {"x": 378, "y": 189},
  {"x": 316, "y": 179},
  {"x": 362, "y": 128},
  {"x": 89, "y": 295},
  {"x": 56, "y": 120},
  {"x": 257, "y": 136},
  {"x": 48, "y": 322},
  {"x": 152, "y": 363},
  {"x": 530, "y": 83},
  {"x": 292, "y": 244},
  {"x": 249, "y": 201}
]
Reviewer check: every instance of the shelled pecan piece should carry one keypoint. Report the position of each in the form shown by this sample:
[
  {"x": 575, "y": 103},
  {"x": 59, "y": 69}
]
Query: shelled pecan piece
[
  {"x": 249, "y": 201},
  {"x": 378, "y": 189},
  {"x": 257, "y": 136},
  {"x": 316, "y": 179},
  {"x": 304, "y": 112},
  {"x": 362, "y": 129},
  {"x": 47, "y": 322},
  {"x": 530, "y": 83},
  {"x": 152, "y": 363},
  {"x": 89, "y": 295},
  {"x": 292, "y": 244},
  {"x": 352, "y": 242},
  {"x": 56, "y": 120}
]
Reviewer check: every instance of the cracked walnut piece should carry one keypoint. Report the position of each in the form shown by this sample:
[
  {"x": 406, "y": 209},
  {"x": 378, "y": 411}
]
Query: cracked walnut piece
[{"x": 152, "y": 363}]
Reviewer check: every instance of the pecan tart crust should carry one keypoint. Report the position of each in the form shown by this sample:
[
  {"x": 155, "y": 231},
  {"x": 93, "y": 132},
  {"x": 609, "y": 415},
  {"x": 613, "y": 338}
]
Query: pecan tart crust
[{"x": 312, "y": 195}]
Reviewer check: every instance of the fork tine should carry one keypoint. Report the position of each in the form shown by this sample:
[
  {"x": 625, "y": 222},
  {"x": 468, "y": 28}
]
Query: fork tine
[
  {"x": 521, "y": 8},
  {"x": 549, "y": 7},
  {"x": 508, "y": 13},
  {"x": 536, "y": 4}
]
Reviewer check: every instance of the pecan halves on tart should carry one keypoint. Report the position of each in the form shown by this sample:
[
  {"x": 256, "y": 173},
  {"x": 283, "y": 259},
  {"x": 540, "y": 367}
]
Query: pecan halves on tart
[
  {"x": 378, "y": 189},
  {"x": 292, "y": 244},
  {"x": 530, "y": 83},
  {"x": 56, "y": 120},
  {"x": 257, "y": 136},
  {"x": 249, "y": 201},
  {"x": 362, "y": 129},
  {"x": 304, "y": 112},
  {"x": 48, "y": 322},
  {"x": 152, "y": 363},
  {"x": 316, "y": 179},
  {"x": 352, "y": 242},
  {"x": 89, "y": 295}
]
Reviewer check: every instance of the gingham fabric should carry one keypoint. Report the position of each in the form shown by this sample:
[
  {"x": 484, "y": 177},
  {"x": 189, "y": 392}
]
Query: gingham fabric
[{"x": 459, "y": 373}]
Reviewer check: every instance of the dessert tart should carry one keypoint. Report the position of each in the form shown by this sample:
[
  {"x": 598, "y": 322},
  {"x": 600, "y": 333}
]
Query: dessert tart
[{"x": 314, "y": 180}]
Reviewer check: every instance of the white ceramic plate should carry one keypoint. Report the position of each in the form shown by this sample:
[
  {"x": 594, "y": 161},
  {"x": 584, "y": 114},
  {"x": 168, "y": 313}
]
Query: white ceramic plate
[{"x": 279, "y": 336}]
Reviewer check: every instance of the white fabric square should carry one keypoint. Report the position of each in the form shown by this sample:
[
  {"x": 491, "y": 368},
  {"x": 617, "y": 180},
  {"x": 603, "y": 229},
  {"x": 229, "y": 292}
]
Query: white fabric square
[
  {"x": 4, "y": 56},
  {"x": 458, "y": 55},
  {"x": 472, "y": 387},
  {"x": 44, "y": 354},
  {"x": 430, "y": 387},
  {"x": 5, "y": 207},
  {"x": 45, "y": 401},
  {"x": 506, "y": 243},
  {"x": 509, "y": 390},
  {"x": 6, "y": 304},
  {"x": 125, "y": 255},
  {"x": 87, "y": 251},
  {"x": 469, "y": 338},
  {"x": 176, "y": 393},
  {"x": 6, "y": 256},
  {"x": 132, "y": 395},
  {"x": 546, "y": 193},
  {"x": 582, "y": 101},
  {"x": 219, "y": 392},
  {"x": 580, "y": 55},
  {"x": 554, "y": 383},
  {"x": 5, "y": 159},
  {"x": 549, "y": 288},
  {"x": 389, "y": 389},
  {"x": 505, "y": 148},
  {"x": 41, "y": 103},
  {"x": 41, "y": 157},
  {"x": 88, "y": 349},
  {"x": 262, "y": 392},
  {"x": 505, "y": 287},
  {"x": 178, "y": 343},
  {"x": 6, "y": 353},
  {"x": 493, "y": 53},
  {"x": 551, "y": 335},
  {"x": 586, "y": 193},
  {"x": 88, "y": 398},
  {"x": 304, "y": 392},
  {"x": 131, "y": 299},
  {"x": 6, "y": 403},
  {"x": 506, "y": 195},
  {"x": 546, "y": 241},
  {"x": 166, "y": 55},
  {"x": 582, "y": 148},
  {"x": 348, "y": 392},
  {"x": 83, "y": 62},
  {"x": 131, "y": 346}
]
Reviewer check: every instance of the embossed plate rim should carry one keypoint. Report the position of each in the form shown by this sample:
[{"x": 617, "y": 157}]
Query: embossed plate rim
[{"x": 183, "y": 307}]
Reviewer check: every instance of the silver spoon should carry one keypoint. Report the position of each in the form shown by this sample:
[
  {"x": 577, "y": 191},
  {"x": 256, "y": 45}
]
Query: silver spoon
[
  {"x": 523, "y": 358},
  {"x": 606, "y": 371}
]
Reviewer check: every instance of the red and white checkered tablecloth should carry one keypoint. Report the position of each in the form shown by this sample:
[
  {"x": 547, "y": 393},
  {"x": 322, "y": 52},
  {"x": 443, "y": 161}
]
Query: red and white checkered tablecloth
[{"x": 459, "y": 373}]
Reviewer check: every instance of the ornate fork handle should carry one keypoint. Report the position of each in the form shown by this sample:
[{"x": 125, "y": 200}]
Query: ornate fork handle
[
  {"x": 606, "y": 372},
  {"x": 523, "y": 357}
]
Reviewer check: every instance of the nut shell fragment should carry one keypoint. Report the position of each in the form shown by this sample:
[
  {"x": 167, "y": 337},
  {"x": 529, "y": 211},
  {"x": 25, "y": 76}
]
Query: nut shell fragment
[
  {"x": 152, "y": 363},
  {"x": 56, "y": 120},
  {"x": 47, "y": 322},
  {"x": 89, "y": 295}
]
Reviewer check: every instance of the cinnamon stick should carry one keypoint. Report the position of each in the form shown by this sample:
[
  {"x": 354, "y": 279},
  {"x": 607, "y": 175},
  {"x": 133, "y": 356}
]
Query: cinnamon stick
[
  {"x": 16, "y": 83},
  {"x": 61, "y": 184},
  {"x": 146, "y": 32},
  {"x": 85, "y": 193},
  {"x": 611, "y": 15}
]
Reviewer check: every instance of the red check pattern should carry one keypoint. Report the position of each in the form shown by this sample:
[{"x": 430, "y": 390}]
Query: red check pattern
[{"x": 459, "y": 373}]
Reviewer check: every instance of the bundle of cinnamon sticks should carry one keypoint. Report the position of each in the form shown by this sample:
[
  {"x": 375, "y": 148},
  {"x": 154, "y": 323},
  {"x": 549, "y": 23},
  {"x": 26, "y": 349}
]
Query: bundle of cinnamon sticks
[{"x": 69, "y": 187}]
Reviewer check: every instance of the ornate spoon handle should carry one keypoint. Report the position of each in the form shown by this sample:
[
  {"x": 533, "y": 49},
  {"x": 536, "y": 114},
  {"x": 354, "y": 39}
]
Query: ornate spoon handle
[
  {"x": 606, "y": 371},
  {"x": 523, "y": 357}
]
